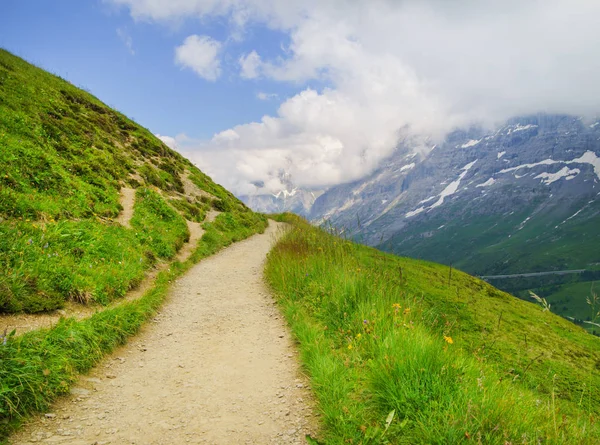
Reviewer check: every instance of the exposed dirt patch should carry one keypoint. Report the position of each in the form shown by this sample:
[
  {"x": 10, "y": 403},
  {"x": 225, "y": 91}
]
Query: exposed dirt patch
[
  {"x": 23, "y": 323},
  {"x": 127, "y": 201},
  {"x": 216, "y": 366},
  {"x": 212, "y": 215},
  {"x": 191, "y": 189},
  {"x": 196, "y": 233}
]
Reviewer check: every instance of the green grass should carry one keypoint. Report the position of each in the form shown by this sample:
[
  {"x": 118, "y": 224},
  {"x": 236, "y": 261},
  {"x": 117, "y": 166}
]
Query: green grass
[
  {"x": 82, "y": 261},
  {"x": 447, "y": 357},
  {"x": 157, "y": 225},
  {"x": 571, "y": 301},
  {"x": 575, "y": 296},
  {"x": 85, "y": 261},
  {"x": 64, "y": 157},
  {"x": 193, "y": 211},
  {"x": 39, "y": 366},
  {"x": 481, "y": 244},
  {"x": 493, "y": 245},
  {"x": 567, "y": 294}
]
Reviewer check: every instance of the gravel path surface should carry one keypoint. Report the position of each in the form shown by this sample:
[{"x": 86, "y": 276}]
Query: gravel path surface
[{"x": 216, "y": 366}]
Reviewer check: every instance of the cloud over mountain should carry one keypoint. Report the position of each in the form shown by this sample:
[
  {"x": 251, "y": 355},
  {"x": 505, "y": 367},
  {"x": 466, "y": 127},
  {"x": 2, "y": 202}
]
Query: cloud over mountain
[{"x": 420, "y": 67}]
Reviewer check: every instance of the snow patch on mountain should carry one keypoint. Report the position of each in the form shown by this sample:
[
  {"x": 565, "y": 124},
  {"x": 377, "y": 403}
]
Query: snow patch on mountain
[
  {"x": 407, "y": 167},
  {"x": 502, "y": 153},
  {"x": 519, "y": 127},
  {"x": 572, "y": 216},
  {"x": 565, "y": 172},
  {"x": 535, "y": 164},
  {"x": 450, "y": 189},
  {"x": 577, "y": 212},
  {"x": 589, "y": 157},
  {"x": 487, "y": 183},
  {"x": 285, "y": 193},
  {"x": 415, "y": 212},
  {"x": 471, "y": 143},
  {"x": 431, "y": 198},
  {"x": 523, "y": 223}
]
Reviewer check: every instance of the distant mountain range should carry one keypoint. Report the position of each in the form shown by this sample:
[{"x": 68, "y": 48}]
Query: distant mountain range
[
  {"x": 523, "y": 198},
  {"x": 292, "y": 199},
  {"x": 504, "y": 202}
]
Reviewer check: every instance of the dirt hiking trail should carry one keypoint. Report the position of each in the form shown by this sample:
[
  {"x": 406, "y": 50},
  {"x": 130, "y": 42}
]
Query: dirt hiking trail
[
  {"x": 127, "y": 201},
  {"x": 217, "y": 365}
]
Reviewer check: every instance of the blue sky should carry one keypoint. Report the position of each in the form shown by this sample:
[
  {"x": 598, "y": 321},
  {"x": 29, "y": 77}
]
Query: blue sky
[
  {"x": 83, "y": 42},
  {"x": 318, "y": 91}
]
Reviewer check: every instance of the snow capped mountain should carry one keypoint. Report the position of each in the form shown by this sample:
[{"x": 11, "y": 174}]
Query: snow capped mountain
[
  {"x": 470, "y": 200},
  {"x": 289, "y": 199},
  {"x": 294, "y": 200}
]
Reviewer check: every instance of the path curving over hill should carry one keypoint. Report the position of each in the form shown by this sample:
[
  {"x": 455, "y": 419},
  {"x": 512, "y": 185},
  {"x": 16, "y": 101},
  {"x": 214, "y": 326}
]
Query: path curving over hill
[{"x": 217, "y": 366}]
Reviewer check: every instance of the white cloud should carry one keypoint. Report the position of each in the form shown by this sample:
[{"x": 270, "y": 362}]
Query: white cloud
[
  {"x": 201, "y": 54},
  {"x": 250, "y": 64},
  {"x": 126, "y": 39},
  {"x": 261, "y": 95},
  {"x": 169, "y": 141},
  {"x": 415, "y": 66}
]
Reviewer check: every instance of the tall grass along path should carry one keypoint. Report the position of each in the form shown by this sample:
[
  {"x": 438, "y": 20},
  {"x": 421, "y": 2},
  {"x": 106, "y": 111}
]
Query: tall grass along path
[{"x": 216, "y": 365}]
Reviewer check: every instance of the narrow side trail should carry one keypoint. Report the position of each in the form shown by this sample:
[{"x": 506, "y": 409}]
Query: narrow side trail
[
  {"x": 127, "y": 201},
  {"x": 28, "y": 322},
  {"x": 216, "y": 366}
]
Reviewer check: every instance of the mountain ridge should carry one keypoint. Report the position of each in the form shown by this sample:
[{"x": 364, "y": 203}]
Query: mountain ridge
[{"x": 524, "y": 198}]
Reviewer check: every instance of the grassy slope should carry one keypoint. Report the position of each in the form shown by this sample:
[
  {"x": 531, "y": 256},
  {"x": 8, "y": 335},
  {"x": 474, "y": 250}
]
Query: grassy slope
[
  {"x": 573, "y": 300},
  {"x": 64, "y": 157},
  {"x": 480, "y": 245},
  {"x": 453, "y": 358},
  {"x": 39, "y": 366}
]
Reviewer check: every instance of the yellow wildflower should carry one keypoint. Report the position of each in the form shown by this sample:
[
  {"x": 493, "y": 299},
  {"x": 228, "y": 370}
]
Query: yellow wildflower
[
  {"x": 350, "y": 346},
  {"x": 358, "y": 335},
  {"x": 448, "y": 340},
  {"x": 396, "y": 306},
  {"x": 407, "y": 311}
]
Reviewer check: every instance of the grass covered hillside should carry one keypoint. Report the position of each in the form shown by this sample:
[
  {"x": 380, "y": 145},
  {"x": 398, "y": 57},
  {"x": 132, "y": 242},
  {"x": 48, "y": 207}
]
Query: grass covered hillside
[
  {"x": 408, "y": 351},
  {"x": 67, "y": 161},
  {"x": 64, "y": 158}
]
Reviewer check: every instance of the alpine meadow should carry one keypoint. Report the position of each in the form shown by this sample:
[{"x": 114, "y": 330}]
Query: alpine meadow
[{"x": 329, "y": 223}]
